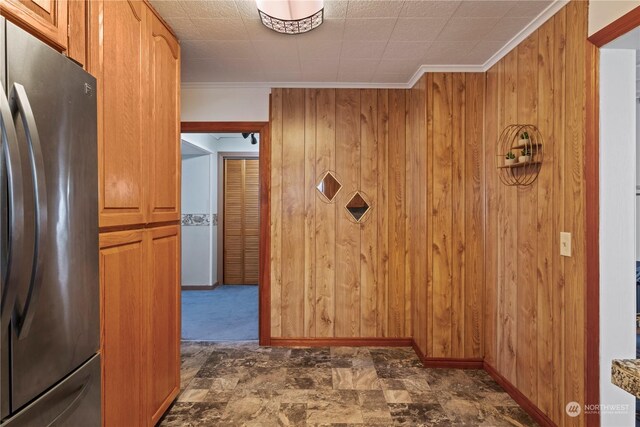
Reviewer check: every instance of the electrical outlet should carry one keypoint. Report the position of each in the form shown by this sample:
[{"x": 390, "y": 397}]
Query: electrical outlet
[{"x": 565, "y": 244}]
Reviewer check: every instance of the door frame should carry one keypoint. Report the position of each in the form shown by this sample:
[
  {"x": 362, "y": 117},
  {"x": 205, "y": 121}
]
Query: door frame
[
  {"x": 615, "y": 29},
  {"x": 264, "y": 286},
  {"x": 222, "y": 156}
]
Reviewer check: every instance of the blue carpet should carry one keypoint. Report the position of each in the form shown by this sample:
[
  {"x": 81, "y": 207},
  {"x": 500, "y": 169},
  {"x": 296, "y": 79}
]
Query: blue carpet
[{"x": 227, "y": 313}]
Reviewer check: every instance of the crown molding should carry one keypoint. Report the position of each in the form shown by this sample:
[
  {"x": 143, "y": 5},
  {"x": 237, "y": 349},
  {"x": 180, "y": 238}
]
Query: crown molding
[
  {"x": 303, "y": 85},
  {"x": 442, "y": 69},
  {"x": 536, "y": 23}
]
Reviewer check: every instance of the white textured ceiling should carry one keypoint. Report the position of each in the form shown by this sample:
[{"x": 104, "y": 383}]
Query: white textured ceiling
[{"x": 361, "y": 41}]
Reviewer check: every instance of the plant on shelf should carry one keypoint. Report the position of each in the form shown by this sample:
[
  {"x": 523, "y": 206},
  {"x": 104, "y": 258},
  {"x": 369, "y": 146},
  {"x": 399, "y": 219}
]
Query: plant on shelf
[
  {"x": 525, "y": 155},
  {"x": 524, "y": 137},
  {"x": 509, "y": 158}
]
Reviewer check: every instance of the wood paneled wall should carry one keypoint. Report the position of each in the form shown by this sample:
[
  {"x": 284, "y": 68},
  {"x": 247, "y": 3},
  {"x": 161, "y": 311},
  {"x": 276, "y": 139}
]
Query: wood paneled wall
[
  {"x": 445, "y": 229},
  {"x": 535, "y": 299},
  {"x": 467, "y": 267},
  {"x": 414, "y": 268},
  {"x": 332, "y": 277}
]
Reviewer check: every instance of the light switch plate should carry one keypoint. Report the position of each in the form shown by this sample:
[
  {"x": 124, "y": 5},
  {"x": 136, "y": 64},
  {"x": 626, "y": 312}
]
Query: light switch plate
[{"x": 565, "y": 244}]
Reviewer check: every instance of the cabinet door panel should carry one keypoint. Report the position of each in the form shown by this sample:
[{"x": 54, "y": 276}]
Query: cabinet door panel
[
  {"x": 122, "y": 75},
  {"x": 163, "y": 298},
  {"x": 122, "y": 274},
  {"x": 46, "y": 19},
  {"x": 77, "y": 37},
  {"x": 164, "y": 129}
]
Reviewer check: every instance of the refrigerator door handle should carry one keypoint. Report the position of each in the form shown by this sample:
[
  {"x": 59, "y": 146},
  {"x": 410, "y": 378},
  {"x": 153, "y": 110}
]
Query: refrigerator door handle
[
  {"x": 16, "y": 232},
  {"x": 20, "y": 103}
]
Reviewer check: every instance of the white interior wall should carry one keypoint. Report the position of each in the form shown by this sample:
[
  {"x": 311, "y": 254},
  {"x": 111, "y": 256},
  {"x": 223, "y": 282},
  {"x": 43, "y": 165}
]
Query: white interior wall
[
  {"x": 224, "y": 104},
  {"x": 617, "y": 219},
  {"x": 200, "y": 243},
  {"x": 604, "y": 12},
  {"x": 196, "y": 199}
]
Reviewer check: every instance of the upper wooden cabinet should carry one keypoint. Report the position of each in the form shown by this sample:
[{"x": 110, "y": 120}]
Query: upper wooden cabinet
[
  {"x": 136, "y": 61},
  {"x": 119, "y": 62},
  {"x": 46, "y": 19},
  {"x": 164, "y": 124}
]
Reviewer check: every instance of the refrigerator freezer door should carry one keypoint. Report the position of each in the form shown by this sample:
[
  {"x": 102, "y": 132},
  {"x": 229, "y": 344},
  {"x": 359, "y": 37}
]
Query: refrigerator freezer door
[
  {"x": 64, "y": 319},
  {"x": 72, "y": 403}
]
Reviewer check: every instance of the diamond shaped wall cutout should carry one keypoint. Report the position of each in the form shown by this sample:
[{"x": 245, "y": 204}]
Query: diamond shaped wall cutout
[
  {"x": 357, "y": 207},
  {"x": 329, "y": 187}
]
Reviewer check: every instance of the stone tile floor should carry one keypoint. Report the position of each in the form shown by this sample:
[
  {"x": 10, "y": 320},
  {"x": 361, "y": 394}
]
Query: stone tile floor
[{"x": 242, "y": 384}]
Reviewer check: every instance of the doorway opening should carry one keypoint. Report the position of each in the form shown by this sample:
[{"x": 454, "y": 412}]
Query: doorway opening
[{"x": 225, "y": 216}]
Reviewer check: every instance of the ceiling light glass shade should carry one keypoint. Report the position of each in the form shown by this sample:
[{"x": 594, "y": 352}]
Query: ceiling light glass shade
[{"x": 291, "y": 16}]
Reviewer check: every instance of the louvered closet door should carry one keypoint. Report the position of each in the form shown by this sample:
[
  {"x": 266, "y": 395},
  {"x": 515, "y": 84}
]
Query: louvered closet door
[{"x": 241, "y": 222}]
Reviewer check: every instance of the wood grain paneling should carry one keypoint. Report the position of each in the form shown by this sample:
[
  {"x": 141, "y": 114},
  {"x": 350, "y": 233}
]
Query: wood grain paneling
[
  {"x": 446, "y": 212},
  {"x": 397, "y": 285},
  {"x": 417, "y": 157},
  {"x": 325, "y": 216},
  {"x": 356, "y": 287},
  {"x": 293, "y": 215},
  {"x": 535, "y": 299},
  {"x": 347, "y": 291}
]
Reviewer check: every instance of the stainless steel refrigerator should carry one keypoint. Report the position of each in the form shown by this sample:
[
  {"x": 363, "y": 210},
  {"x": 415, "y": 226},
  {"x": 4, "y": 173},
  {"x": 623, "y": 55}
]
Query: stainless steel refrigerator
[{"x": 50, "y": 364}]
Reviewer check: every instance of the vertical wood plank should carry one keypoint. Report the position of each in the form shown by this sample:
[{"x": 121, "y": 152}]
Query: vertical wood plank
[
  {"x": 417, "y": 210},
  {"x": 458, "y": 208},
  {"x": 325, "y": 239},
  {"x": 369, "y": 229},
  {"x": 408, "y": 288},
  {"x": 276, "y": 211},
  {"x": 396, "y": 170},
  {"x": 347, "y": 232},
  {"x": 293, "y": 212},
  {"x": 442, "y": 218},
  {"x": 559, "y": 102},
  {"x": 474, "y": 217},
  {"x": 310, "y": 178},
  {"x": 429, "y": 213},
  {"x": 545, "y": 376},
  {"x": 510, "y": 242},
  {"x": 526, "y": 227},
  {"x": 382, "y": 297},
  {"x": 574, "y": 212},
  {"x": 491, "y": 196},
  {"x": 422, "y": 211}
]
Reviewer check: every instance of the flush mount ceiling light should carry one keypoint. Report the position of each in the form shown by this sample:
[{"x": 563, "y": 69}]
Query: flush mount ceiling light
[{"x": 291, "y": 16}]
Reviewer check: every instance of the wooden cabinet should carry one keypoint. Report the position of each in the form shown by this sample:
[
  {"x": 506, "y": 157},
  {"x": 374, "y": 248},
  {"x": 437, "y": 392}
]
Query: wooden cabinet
[
  {"x": 137, "y": 62},
  {"x": 140, "y": 278},
  {"x": 120, "y": 63},
  {"x": 164, "y": 124},
  {"x": 163, "y": 308},
  {"x": 123, "y": 276},
  {"x": 60, "y": 23},
  {"x": 46, "y": 19},
  {"x": 77, "y": 31}
]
